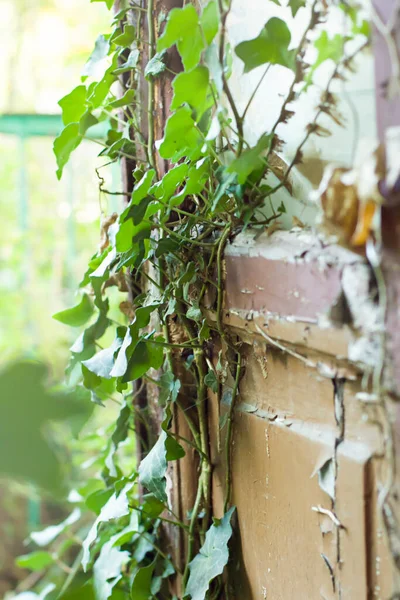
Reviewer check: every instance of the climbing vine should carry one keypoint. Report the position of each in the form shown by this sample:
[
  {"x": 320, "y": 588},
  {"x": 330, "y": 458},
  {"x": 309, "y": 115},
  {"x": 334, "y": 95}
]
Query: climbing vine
[{"x": 192, "y": 192}]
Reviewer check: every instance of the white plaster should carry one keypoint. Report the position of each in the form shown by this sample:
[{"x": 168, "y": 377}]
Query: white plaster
[{"x": 357, "y": 99}]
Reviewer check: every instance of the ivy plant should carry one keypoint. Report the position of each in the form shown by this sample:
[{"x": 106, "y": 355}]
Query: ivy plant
[{"x": 166, "y": 249}]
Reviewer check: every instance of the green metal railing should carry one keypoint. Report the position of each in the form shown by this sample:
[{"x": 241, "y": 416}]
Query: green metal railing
[
  {"x": 33, "y": 125},
  {"x": 24, "y": 127}
]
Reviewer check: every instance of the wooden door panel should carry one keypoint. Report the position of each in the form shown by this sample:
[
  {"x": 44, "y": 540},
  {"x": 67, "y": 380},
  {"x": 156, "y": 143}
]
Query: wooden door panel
[{"x": 302, "y": 403}]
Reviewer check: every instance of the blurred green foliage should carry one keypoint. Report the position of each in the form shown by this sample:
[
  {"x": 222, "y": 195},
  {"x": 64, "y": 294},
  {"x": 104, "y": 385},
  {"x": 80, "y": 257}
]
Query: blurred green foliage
[
  {"x": 26, "y": 408},
  {"x": 49, "y": 230}
]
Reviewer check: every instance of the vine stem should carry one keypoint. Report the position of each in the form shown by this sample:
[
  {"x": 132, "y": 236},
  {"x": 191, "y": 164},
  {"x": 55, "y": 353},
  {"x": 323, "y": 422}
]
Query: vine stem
[
  {"x": 289, "y": 96},
  {"x": 184, "y": 239},
  {"x": 221, "y": 246},
  {"x": 204, "y": 483},
  {"x": 255, "y": 92},
  {"x": 238, "y": 119},
  {"x": 191, "y": 425},
  {"x": 229, "y": 433},
  {"x": 313, "y": 125},
  {"x": 192, "y": 526},
  {"x": 236, "y": 115},
  {"x": 150, "y": 106},
  {"x": 163, "y": 519},
  {"x": 171, "y": 345},
  {"x": 190, "y": 443}
]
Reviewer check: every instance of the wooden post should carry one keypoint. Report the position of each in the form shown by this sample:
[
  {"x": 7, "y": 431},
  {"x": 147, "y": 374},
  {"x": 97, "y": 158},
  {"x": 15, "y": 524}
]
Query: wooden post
[{"x": 182, "y": 475}]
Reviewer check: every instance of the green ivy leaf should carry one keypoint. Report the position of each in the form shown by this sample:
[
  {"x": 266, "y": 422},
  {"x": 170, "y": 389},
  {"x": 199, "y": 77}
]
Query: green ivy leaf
[
  {"x": 84, "y": 346},
  {"x": 119, "y": 16},
  {"x": 42, "y": 596},
  {"x": 99, "y": 277},
  {"x": 183, "y": 29},
  {"x": 141, "y": 584},
  {"x": 191, "y": 88},
  {"x": 49, "y": 534},
  {"x": 87, "y": 121},
  {"x": 144, "y": 545},
  {"x": 204, "y": 333},
  {"x": 125, "y": 100},
  {"x": 100, "y": 90},
  {"x": 328, "y": 49},
  {"x": 181, "y": 138},
  {"x": 153, "y": 468},
  {"x": 78, "y": 315},
  {"x": 126, "y": 38},
  {"x": 120, "y": 434},
  {"x": 364, "y": 28},
  {"x": 166, "y": 572},
  {"x": 145, "y": 356},
  {"x": 174, "y": 450},
  {"x": 122, "y": 147},
  {"x": 155, "y": 66},
  {"x": 82, "y": 592},
  {"x": 138, "y": 212},
  {"x": 164, "y": 189},
  {"x": 211, "y": 57},
  {"x": 109, "y": 3},
  {"x": 194, "y": 313},
  {"x": 250, "y": 160},
  {"x": 121, "y": 363},
  {"x": 197, "y": 176},
  {"x": 26, "y": 406},
  {"x": 209, "y": 21},
  {"x": 73, "y": 105},
  {"x": 281, "y": 208},
  {"x": 151, "y": 506},
  {"x": 130, "y": 64},
  {"x": 212, "y": 558},
  {"x": 35, "y": 561},
  {"x": 270, "y": 46},
  {"x": 141, "y": 189},
  {"x": 223, "y": 189},
  {"x": 295, "y": 6},
  {"x": 142, "y": 319},
  {"x": 169, "y": 388},
  {"x": 117, "y": 506},
  {"x": 98, "y": 391},
  {"x": 93, "y": 264},
  {"x": 68, "y": 140},
  {"x": 129, "y": 234},
  {"x": 165, "y": 246},
  {"x": 102, "y": 363},
  {"x": 125, "y": 535},
  {"x": 107, "y": 569},
  {"x": 98, "y": 499},
  {"x": 101, "y": 49},
  {"x": 211, "y": 381}
]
